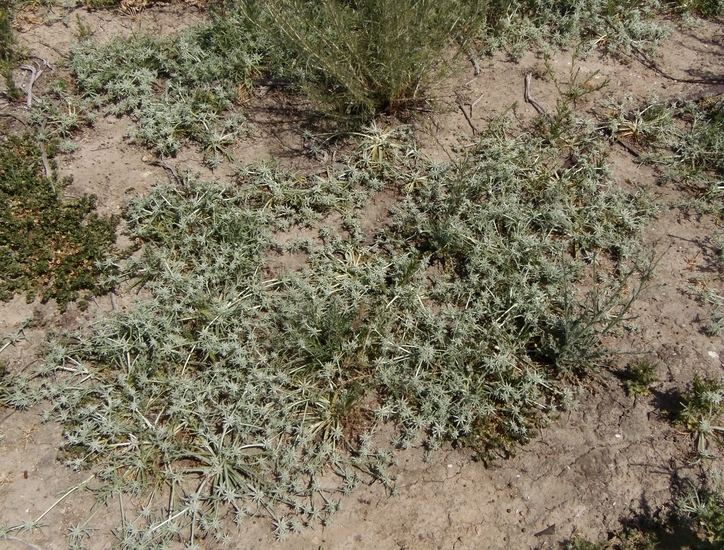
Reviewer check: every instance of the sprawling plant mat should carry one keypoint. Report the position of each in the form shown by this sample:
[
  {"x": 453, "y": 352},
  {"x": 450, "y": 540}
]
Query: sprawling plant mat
[{"x": 247, "y": 383}]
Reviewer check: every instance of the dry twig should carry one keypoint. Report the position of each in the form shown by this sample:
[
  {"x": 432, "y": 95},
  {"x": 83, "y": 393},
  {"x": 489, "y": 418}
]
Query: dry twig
[
  {"x": 529, "y": 98},
  {"x": 474, "y": 60},
  {"x": 467, "y": 116},
  {"x": 34, "y": 75}
]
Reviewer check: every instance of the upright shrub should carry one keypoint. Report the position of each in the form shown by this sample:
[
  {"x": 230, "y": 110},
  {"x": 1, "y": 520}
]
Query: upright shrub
[{"x": 366, "y": 56}]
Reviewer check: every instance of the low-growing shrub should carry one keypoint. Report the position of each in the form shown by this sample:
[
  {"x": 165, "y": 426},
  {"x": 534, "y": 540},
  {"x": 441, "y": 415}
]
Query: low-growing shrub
[
  {"x": 7, "y": 49},
  {"x": 182, "y": 87},
  {"x": 244, "y": 387},
  {"x": 48, "y": 246},
  {"x": 613, "y": 26}
]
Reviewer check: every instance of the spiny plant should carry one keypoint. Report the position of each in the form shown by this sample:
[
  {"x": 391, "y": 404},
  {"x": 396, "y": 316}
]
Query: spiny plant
[
  {"x": 48, "y": 246},
  {"x": 614, "y": 26},
  {"x": 689, "y": 153},
  {"x": 638, "y": 377},
  {"x": 241, "y": 387},
  {"x": 185, "y": 86},
  {"x": 700, "y": 411},
  {"x": 698, "y": 154},
  {"x": 646, "y": 127},
  {"x": 702, "y": 507},
  {"x": 705, "y": 8}
]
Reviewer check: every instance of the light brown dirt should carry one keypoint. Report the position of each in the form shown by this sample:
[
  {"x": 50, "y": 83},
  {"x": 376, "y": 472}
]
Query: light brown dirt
[{"x": 612, "y": 458}]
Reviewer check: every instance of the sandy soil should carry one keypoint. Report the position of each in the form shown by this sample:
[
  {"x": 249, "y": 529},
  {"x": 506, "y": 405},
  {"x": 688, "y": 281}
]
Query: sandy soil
[{"x": 611, "y": 459}]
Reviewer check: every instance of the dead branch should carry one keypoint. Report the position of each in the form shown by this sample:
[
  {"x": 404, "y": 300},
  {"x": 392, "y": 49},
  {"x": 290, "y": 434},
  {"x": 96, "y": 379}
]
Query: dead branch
[{"x": 529, "y": 98}]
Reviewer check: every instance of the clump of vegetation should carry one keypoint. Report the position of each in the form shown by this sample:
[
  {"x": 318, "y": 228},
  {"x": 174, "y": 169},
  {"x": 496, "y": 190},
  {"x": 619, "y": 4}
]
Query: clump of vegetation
[
  {"x": 700, "y": 411},
  {"x": 7, "y": 50},
  {"x": 705, "y": 8},
  {"x": 369, "y": 56},
  {"x": 690, "y": 154},
  {"x": 182, "y": 87},
  {"x": 643, "y": 127},
  {"x": 686, "y": 141},
  {"x": 626, "y": 539},
  {"x": 617, "y": 26},
  {"x": 698, "y": 154},
  {"x": 702, "y": 509},
  {"x": 638, "y": 377},
  {"x": 354, "y": 59},
  {"x": 245, "y": 388},
  {"x": 694, "y": 520},
  {"x": 48, "y": 246}
]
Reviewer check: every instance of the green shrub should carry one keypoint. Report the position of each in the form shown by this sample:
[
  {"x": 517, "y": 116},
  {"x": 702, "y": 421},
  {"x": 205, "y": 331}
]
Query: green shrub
[
  {"x": 7, "y": 51},
  {"x": 702, "y": 508},
  {"x": 368, "y": 56},
  {"x": 638, "y": 376},
  {"x": 701, "y": 411},
  {"x": 48, "y": 246}
]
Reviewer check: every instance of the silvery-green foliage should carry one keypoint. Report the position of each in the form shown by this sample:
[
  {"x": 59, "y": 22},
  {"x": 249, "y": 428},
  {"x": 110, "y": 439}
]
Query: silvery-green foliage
[
  {"x": 180, "y": 87},
  {"x": 612, "y": 26},
  {"x": 246, "y": 387}
]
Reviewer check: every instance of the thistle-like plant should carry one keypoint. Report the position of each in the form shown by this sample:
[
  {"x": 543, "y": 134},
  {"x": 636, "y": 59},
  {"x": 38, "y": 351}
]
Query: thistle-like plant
[
  {"x": 700, "y": 412},
  {"x": 249, "y": 381}
]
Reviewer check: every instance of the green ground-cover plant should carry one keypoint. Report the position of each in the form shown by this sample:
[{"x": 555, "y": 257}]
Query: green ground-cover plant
[
  {"x": 183, "y": 86},
  {"x": 48, "y": 246},
  {"x": 614, "y": 26},
  {"x": 240, "y": 387},
  {"x": 638, "y": 376},
  {"x": 693, "y": 520},
  {"x": 701, "y": 507},
  {"x": 7, "y": 49},
  {"x": 700, "y": 411}
]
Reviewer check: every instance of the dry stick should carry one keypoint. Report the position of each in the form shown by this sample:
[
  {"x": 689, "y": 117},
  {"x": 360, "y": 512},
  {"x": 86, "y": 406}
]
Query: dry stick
[
  {"x": 34, "y": 75},
  {"x": 71, "y": 490},
  {"x": 21, "y": 121},
  {"x": 167, "y": 167},
  {"x": 474, "y": 103},
  {"x": 630, "y": 149},
  {"x": 45, "y": 61},
  {"x": 474, "y": 60},
  {"x": 529, "y": 98},
  {"x": 467, "y": 117},
  {"x": 44, "y": 158}
]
